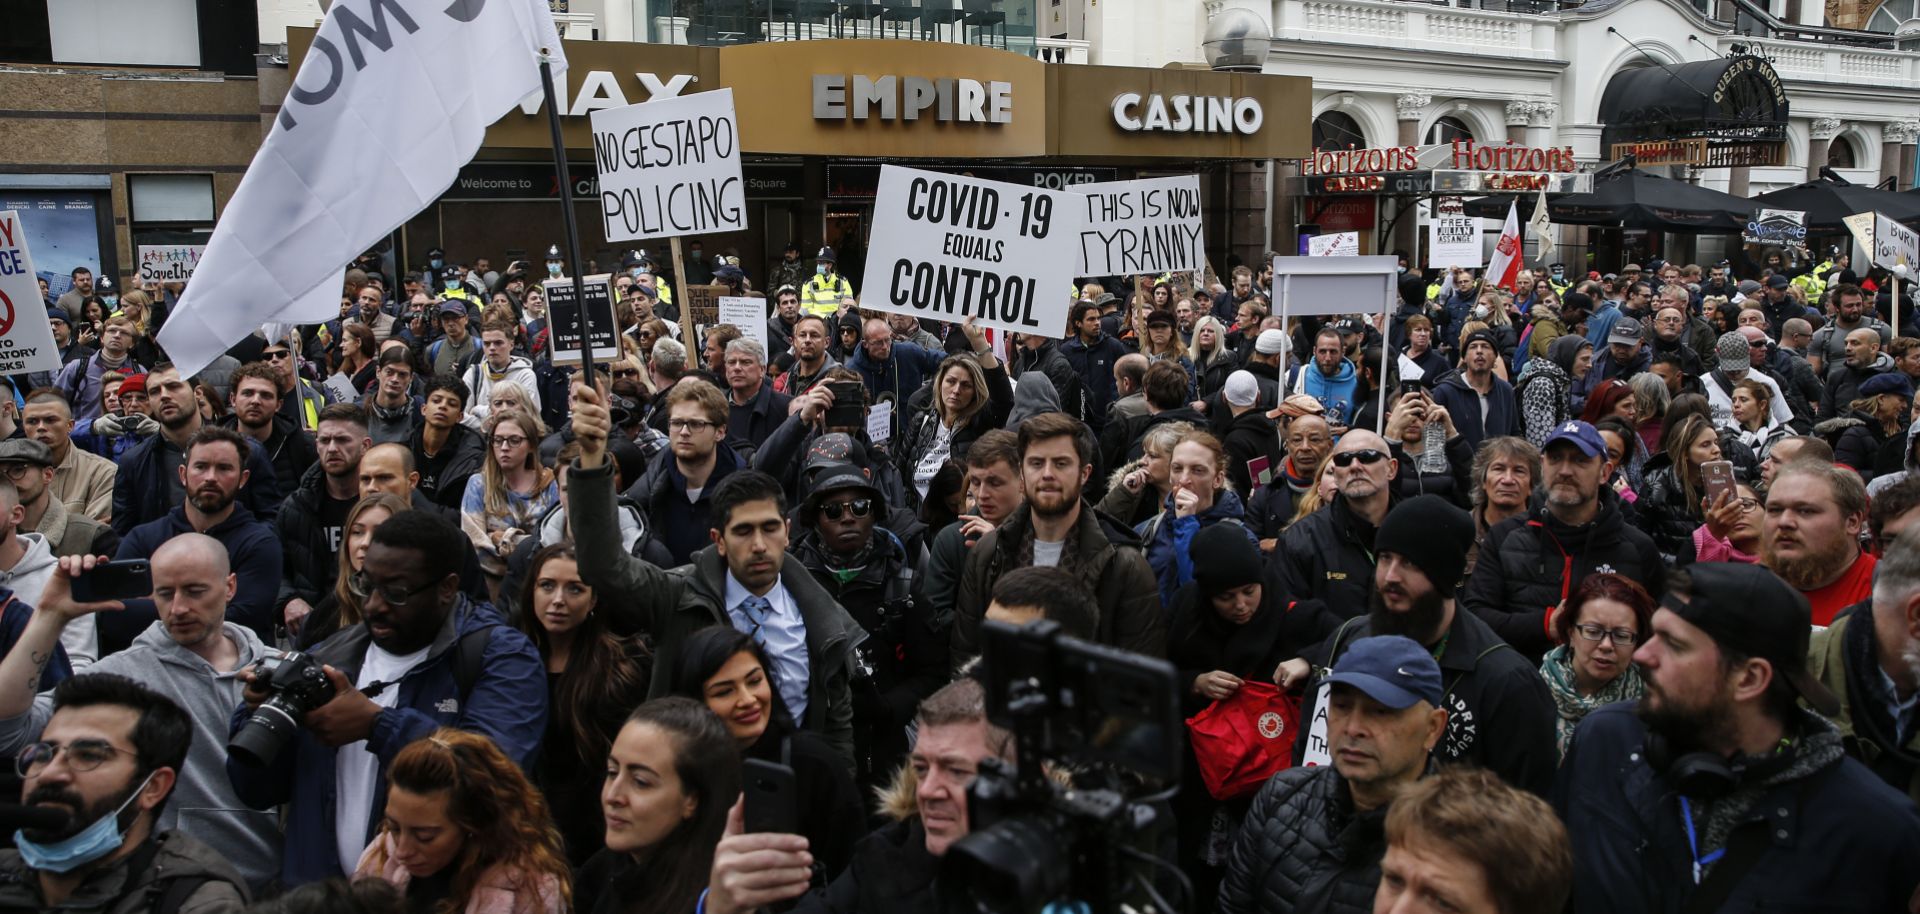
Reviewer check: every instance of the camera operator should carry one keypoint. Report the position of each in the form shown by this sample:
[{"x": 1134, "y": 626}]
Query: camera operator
[
  {"x": 190, "y": 651},
  {"x": 110, "y": 757},
  {"x": 1312, "y": 841},
  {"x": 893, "y": 869},
  {"x": 440, "y": 659}
]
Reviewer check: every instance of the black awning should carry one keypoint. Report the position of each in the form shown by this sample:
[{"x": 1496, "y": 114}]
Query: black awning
[{"x": 1732, "y": 99}]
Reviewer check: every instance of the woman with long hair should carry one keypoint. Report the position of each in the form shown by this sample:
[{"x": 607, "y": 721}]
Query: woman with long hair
[
  {"x": 503, "y": 502},
  {"x": 970, "y": 396},
  {"x": 1875, "y": 418},
  {"x": 1753, "y": 420},
  {"x": 1599, "y": 627},
  {"x": 728, "y": 671},
  {"x": 466, "y": 833},
  {"x": 137, "y": 307},
  {"x": 357, "y": 350},
  {"x": 1208, "y": 353},
  {"x": 1672, "y": 498},
  {"x": 207, "y": 399},
  {"x": 1137, "y": 491},
  {"x": 342, "y": 607},
  {"x": 593, "y": 678},
  {"x": 1163, "y": 342},
  {"x": 672, "y": 773},
  {"x": 1200, "y": 498}
]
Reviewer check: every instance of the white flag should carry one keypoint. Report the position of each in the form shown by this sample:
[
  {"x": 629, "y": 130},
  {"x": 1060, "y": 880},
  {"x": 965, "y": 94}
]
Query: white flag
[
  {"x": 1541, "y": 225},
  {"x": 391, "y": 100}
]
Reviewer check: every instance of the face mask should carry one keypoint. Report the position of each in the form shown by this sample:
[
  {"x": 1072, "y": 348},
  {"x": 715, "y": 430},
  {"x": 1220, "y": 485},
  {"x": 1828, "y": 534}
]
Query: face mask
[
  {"x": 1403, "y": 271},
  {"x": 436, "y": 263},
  {"x": 111, "y": 300},
  {"x": 1559, "y": 273},
  {"x": 553, "y": 267},
  {"x": 635, "y": 272},
  {"x": 821, "y": 269},
  {"x": 695, "y": 252},
  {"x": 95, "y": 841},
  {"x": 1479, "y": 313},
  {"x": 453, "y": 281}
]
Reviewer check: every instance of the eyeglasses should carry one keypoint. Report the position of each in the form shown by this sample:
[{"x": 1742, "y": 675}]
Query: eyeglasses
[
  {"x": 689, "y": 425},
  {"x": 17, "y": 471},
  {"x": 859, "y": 507},
  {"x": 1748, "y": 504},
  {"x": 361, "y": 585},
  {"x": 509, "y": 440},
  {"x": 82, "y": 755},
  {"x": 1593, "y": 631},
  {"x": 1368, "y": 457}
]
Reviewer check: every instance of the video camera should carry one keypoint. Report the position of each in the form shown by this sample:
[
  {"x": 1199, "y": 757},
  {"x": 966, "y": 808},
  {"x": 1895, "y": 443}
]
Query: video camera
[{"x": 1107, "y": 716}]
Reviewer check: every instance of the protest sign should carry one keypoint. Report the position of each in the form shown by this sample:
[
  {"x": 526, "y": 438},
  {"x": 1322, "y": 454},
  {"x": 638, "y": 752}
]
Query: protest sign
[
  {"x": 1783, "y": 227},
  {"x": 880, "y": 421},
  {"x": 564, "y": 317},
  {"x": 748, "y": 315},
  {"x": 1453, "y": 237},
  {"x": 670, "y": 167},
  {"x": 1338, "y": 244},
  {"x": 1148, "y": 226},
  {"x": 26, "y": 336},
  {"x": 1894, "y": 244},
  {"x": 340, "y": 387},
  {"x": 948, "y": 247},
  {"x": 169, "y": 262}
]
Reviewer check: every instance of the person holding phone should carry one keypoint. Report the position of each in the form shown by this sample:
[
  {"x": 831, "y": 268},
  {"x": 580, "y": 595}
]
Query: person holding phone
[
  {"x": 1675, "y": 487},
  {"x": 1423, "y": 471}
]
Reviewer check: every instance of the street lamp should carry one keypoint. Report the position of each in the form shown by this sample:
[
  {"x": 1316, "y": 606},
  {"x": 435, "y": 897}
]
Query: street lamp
[{"x": 1237, "y": 41}]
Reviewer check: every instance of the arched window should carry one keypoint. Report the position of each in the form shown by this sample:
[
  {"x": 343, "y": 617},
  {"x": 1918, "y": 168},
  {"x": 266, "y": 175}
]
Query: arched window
[
  {"x": 1841, "y": 153},
  {"x": 1448, "y": 129},
  {"x": 1337, "y": 130},
  {"x": 1898, "y": 17}
]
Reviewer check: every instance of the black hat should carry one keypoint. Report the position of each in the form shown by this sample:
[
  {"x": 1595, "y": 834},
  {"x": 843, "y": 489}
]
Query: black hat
[
  {"x": 793, "y": 246},
  {"x": 1431, "y": 533},
  {"x": 1223, "y": 559},
  {"x": 1479, "y": 336},
  {"x": 553, "y": 252},
  {"x": 631, "y": 260},
  {"x": 826, "y": 254},
  {"x": 1749, "y": 609},
  {"x": 436, "y": 252},
  {"x": 1161, "y": 319}
]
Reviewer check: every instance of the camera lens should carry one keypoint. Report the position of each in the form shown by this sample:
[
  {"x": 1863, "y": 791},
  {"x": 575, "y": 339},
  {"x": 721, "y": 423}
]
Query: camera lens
[
  {"x": 263, "y": 735},
  {"x": 1015, "y": 866}
]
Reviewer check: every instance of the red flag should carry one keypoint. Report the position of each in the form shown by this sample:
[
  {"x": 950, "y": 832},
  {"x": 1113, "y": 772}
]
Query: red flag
[{"x": 1508, "y": 252}]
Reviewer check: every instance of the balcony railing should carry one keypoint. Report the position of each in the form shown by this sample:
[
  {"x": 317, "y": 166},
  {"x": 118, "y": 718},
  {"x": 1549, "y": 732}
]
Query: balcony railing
[
  {"x": 1007, "y": 24},
  {"x": 1417, "y": 25}
]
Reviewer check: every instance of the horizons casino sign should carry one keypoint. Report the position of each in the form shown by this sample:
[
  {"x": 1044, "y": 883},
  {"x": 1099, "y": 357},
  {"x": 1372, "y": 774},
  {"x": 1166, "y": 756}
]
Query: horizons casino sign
[{"x": 1466, "y": 155}]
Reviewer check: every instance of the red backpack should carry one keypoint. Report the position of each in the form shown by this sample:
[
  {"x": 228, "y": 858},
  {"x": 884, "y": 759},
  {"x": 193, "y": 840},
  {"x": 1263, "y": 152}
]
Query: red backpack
[{"x": 1241, "y": 740}]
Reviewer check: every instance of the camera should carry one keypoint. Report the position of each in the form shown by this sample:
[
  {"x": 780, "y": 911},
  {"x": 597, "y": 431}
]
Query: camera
[
  {"x": 298, "y": 684},
  {"x": 1109, "y": 717}
]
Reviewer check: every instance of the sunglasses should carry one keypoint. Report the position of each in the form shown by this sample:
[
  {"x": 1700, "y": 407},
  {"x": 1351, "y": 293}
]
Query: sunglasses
[
  {"x": 276, "y": 355},
  {"x": 859, "y": 507},
  {"x": 1368, "y": 457}
]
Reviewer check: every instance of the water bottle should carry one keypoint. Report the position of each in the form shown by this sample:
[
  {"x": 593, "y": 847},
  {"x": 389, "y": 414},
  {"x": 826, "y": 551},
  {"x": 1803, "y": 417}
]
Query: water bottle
[{"x": 1433, "y": 449}]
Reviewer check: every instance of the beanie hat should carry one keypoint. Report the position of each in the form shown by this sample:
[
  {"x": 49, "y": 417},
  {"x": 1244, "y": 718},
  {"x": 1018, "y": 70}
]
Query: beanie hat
[
  {"x": 1432, "y": 534},
  {"x": 1270, "y": 342},
  {"x": 1731, "y": 352},
  {"x": 134, "y": 384},
  {"x": 1223, "y": 559},
  {"x": 1242, "y": 389}
]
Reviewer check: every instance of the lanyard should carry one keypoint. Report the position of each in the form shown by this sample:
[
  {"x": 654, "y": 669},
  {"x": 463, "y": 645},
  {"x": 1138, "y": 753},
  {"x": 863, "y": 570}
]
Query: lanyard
[{"x": 1693, "y": 843}]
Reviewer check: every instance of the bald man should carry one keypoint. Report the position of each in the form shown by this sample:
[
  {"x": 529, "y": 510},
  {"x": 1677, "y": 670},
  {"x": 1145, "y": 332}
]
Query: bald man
[
  {"x": 189, "y": 654},
  {"x": 1329, "y": 554},
  {"x": 892, "y": 369},
  {"x": 1864, "y": 360}
]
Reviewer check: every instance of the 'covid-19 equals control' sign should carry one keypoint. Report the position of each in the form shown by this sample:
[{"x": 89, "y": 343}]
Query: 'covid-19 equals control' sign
[
  {"x": 670, "y": 167},
  {"x": 26, "y": 337},
  {"x": 948, "y": 247}
]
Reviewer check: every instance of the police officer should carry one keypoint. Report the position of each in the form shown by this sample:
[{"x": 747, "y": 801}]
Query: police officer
[{"x": 822, "y": 293}]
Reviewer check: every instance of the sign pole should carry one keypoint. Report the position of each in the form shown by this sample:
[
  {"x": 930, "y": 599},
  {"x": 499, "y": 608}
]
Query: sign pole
[
  {"x": 1893, "y": 318},
  {"x": 567, "y": 218},
  {"x": 686, "y": 298}
]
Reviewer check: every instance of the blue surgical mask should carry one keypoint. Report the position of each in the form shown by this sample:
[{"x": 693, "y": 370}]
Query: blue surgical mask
[
  {"x": 635, "y": 272},
  {"x": 453, "y": 281},
  {"x": 695, "y": 252},
  {"x": 820, "y": 269},
  {"x": 95, "y": 841},
  {"x": 110, "y": 300},
  {"x": 436, "y": 263},
  {"x": 553, "y": 267}
]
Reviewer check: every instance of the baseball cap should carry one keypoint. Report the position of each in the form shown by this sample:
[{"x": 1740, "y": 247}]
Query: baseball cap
[
  {"x": 1349, "y": 326},
  {"x": 1161, "y": 319},
  {"x": 1751, "y": 610},
  {"x": 1887, "y": 382},
  {"x": 1270, "y": 342},
  {"x": 1241, "y": 389},
  {"x": 1730, "y": 351},
  {"x": 1580, "y": 435},
  {"x": 1778, "y": 281},
  {"x": 1625, "y": 330},
  {"x": 730, "y": 273},
  {"x": 25, "y": 450},
  {"x": 453, "y": 306},
  {"x": 1393, "y": 670}
]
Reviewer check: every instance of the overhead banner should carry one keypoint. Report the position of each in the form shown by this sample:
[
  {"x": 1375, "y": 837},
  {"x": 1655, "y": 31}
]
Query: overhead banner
[
  {"x": 1894, "y": 244},
  {"x": 948, "y": 247},
  {"x": 1779, "y": 227},
  {"x": 565, "y": 317},
  {"x": 1147, "y": 226},
  {"x": 169, "y": 262},
  {"x": 670, "y": 167},
  {"x": 26, "y": 336},
  {"x": 1453, "y": 237}
]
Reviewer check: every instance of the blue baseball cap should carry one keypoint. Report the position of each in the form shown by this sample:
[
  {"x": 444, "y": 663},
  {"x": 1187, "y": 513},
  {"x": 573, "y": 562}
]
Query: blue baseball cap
[
  {"x": 1580, "y": 435},
  {"x": 1392, "y": 670}
]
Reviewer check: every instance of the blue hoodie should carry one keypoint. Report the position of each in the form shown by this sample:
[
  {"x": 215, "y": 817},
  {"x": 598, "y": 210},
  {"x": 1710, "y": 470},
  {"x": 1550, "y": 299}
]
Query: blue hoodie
[
  {"x": 1169, "y": 539},
  {"x": 1336, "y": 393}
]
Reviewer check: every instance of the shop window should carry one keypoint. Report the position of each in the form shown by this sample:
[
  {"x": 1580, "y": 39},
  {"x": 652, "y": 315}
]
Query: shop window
[
  {"x": 1337, "y": 130},
  {"x": 171, "y": 199},
  {"x": 1448, "y": 129},
  {"x": 1841, "y": 153}
]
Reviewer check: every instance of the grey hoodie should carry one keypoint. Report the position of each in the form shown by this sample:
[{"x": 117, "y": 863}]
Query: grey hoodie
[
  {"x": 203, "y": 803},
  {"x": 1032, "y": 395},
  {"x": 28, "y": 577}
]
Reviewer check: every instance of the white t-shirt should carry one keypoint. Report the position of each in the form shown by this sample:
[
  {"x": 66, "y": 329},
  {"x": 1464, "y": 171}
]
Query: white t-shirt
[
  {"x": 356, "y": 771},
  {"x": 1047, "y": 555}
]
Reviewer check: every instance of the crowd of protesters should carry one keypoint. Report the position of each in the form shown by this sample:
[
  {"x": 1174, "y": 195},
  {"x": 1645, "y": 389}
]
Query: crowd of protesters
[{"x": 1592, "y": 594}]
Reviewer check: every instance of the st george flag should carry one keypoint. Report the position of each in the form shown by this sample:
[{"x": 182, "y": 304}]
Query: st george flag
[
  {"x": 1504, "y": 270},
  {"x": 391, "y": 100}
]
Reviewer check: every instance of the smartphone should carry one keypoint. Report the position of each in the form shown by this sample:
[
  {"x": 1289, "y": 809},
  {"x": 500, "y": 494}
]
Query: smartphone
[
  {"x": 771, "y": 798},
  {"x": 1718, "y": 475},
  {"x": 124, "y": 579},
  {"x": 1411, "y": 386},
  {"x": 849, "y": 404}
]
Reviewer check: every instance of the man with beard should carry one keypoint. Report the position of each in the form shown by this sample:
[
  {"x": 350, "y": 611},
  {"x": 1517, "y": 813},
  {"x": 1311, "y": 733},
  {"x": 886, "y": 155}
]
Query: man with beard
[
  {"x": 1812, "y": 536},
  {"x": 1481, "y": 404},
  {"x": 149, "y": 483},
  {"x": 1056, "y": 529},
  {"x": 213, "y": 474},
  {"x": 1328, "y": 555},
  {"x": 810, "y": 357},
  {"x": 1717, "y": 791},
  {"x": 110, "y": 757},
  {"x": 256, "y": 414},
  {"x": 1500, "y": 715},
  {"x": 1828, "y": 345},
  {"x": 1533, "y": 559},
  {"x": 190, "y": 652},
  {"x": 310, "y": 520},
  {"x": 1870, "y": 659}
]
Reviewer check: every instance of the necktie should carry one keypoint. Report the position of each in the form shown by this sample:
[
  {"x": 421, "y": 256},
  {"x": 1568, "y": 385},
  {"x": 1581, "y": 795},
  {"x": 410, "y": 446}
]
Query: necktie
[{"x": 756, "y": 609}]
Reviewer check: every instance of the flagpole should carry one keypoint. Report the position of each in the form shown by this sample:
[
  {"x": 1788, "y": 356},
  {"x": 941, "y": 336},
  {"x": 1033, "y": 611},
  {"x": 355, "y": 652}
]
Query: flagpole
[{"x": 565, "y": 180}]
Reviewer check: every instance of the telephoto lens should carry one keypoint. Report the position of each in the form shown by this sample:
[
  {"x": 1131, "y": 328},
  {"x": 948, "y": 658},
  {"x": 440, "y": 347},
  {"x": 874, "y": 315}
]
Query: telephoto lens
[{"x": 298, "y": 683}]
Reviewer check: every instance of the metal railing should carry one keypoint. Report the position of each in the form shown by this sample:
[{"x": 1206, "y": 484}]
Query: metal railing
[{"x": 1007, "y": 24}]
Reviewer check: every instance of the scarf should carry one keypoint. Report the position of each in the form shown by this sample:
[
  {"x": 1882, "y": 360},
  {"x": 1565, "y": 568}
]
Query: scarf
[
  {"x": 1299, "y": 484},
  {"x": 1572, "y": 706},
  {"x": 1817, "y": 747}
]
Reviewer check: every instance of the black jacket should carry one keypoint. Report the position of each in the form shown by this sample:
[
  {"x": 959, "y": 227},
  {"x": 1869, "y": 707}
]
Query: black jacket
[
  {"x": 1250, "y": 436},
  {"x": 1454, "y": 484},
  {"x": 1856, "y": 438},
  {"x": 749, "y": 425},
  {"x": 1530, "y": 562},
  {"x": 1500, "y": 715},
  {"x": 469, "y": 451},
  {"x": 1120, "y": 441},
  {"x": 922, "y": 424},
  {"x": 289, "y": 449},
  {"x": 1843, "y": 384},
  {"x": 891, "y": 873},
  {"x": 1304, "y": 848},
  {"x": 141, "y": 494},
  {"x": 309, "y": 564},
  {"x": 1662, "y": 512},
  {"x": 1050, "y": 361},
  {"x": 1328, "y": 556}
]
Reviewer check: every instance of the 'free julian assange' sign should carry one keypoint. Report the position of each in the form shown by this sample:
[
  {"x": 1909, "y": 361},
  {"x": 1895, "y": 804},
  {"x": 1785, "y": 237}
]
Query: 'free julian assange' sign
[
  {"x": 949, "y": 247},
  {"x": 1146, "y": 226},
  {"x": 670, "y": 167}
]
